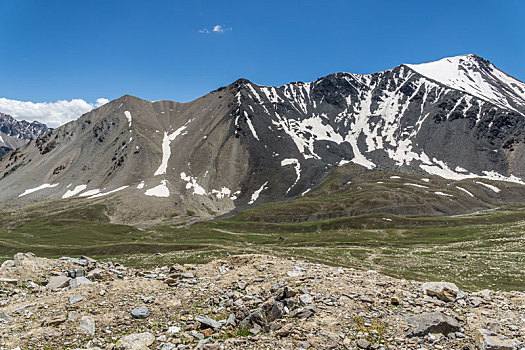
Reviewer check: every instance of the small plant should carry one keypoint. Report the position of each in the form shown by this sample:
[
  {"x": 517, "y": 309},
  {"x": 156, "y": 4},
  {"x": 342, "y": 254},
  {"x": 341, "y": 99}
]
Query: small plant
[{"x": 243, "y": 332}]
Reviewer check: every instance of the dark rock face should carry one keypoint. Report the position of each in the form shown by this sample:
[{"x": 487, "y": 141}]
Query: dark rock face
[
  {"x": 246, "y": 144},
  {"x": 4, "y": 150},
  {"x": 432, "y": 322}
]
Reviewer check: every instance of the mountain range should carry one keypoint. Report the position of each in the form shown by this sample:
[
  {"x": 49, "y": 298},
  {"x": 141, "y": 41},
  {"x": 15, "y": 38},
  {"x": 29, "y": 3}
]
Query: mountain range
[
  {"x": 457, "y": 123},
  {"x": 15, "y": 133}
]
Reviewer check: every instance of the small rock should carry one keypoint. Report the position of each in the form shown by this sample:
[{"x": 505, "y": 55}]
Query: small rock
[
  {"x": 76, "y": 273},
  {"x": 305, "y": 299},
  {"x": 208, "y": 322},
  {"x": 75, "y": 299},
  {"x": 116, "y": 272},
  {"x": 241, "y": 284},
  {"x": 211, "y": 347},
  {"x": 141, "y": 312},
  {"x": 303, "y": 344},
  {"x": 395, "y": 300},
  {"x": 366, "y": 299},
  {"x": 80, "y": 262},
  {"x": 168, "y": 346},
  {"x": 188, "y": 275},
  {"x": 294, "y": 273},
  {"x": 95, "y": 274},
  {"x": 87, "y": 325},
  {"x": 148, "y": 300},
  {"x": 78, "y": 281},
  {"x": 363, "y": 344},
  {"x": 32, "y": 285},
  {"x": 173, "y": 330},
  {"x": 203, "y": 342},
  {"x": 289, "y": 293},
  {"x": 57, "y": 282},
  {"x": 5, "y": 317},
  {"x": 88, "y": 259},
  {"x": 303, "y": 312},
  {"x": 55, "y": 321},
  {"x": 12, "y": 281},
  {"x": 207, "y": 332},
  {"x": 487, "y": 340},
  {"x": 284, "y": 331},
  {"x": 231, "y": 320},
  {"x": 135, "y": 341},
  {"x": 22, "y": 308}
]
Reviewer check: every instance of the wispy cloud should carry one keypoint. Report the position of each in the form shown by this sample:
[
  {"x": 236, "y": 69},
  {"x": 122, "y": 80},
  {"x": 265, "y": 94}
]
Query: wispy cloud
[
  {"x": 216, "y": 29},
  {"x": 53, "y": 114}
]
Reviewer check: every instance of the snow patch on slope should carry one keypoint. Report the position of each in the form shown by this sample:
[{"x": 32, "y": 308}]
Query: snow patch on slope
[
  {"x": 297, "y": 166},
  {"x": 90, "y": 193},
  {"x": 41, "y": 187},
  {"x": 158, "y": 191},
  {"x": 166, "y": 149},
  {"x": 191, "y": 182},
  {"x": 76, "y": 190},
  {"x": 466, "y": 191},
  {"x": 256, "y": 194},
  {"x": 250, "y": 125},
  {"x": 128, "y": 117},
  {"x": 493, "y": 188},
  {"x": 109, "y": 192}
]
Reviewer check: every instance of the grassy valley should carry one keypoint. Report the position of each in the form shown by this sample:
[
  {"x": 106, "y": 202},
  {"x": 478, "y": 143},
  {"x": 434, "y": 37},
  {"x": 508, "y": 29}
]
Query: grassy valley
[{"x": 483, "y": 250}]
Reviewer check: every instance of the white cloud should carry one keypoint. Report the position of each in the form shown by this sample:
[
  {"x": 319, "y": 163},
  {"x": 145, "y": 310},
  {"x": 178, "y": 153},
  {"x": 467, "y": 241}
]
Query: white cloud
[
  {"x": 101, "y": 102},
  {"x": 53, "y": 114},
  {"x": 216, "y": 29}
]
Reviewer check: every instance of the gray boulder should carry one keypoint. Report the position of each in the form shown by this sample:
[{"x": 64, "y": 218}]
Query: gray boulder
[
  {"x": 431, "y": 322},
  {"x": 21, "y": 258},
  {"x": 442, "y": 290}
]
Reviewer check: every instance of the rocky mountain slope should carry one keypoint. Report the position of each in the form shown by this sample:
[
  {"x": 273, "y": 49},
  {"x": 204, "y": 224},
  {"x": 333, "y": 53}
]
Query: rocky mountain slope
[
  {"x": 244, "y": 144},
  {"x": 15, "y": 133},
  {"x": 244, "y": 302}
]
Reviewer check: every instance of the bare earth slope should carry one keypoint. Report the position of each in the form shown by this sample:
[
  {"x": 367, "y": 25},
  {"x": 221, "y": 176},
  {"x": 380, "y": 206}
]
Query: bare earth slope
[{"x": 246, "y": 144}]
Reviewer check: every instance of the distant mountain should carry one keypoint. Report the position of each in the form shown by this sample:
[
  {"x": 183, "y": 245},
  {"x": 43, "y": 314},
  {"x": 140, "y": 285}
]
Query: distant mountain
[
  {"x": 459, "y": 118},
  {"x": 15, "y": 133}
]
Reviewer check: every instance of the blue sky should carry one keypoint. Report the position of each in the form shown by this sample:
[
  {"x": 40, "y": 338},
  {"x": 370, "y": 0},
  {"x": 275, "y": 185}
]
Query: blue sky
[{"x": 63, "y": 50}]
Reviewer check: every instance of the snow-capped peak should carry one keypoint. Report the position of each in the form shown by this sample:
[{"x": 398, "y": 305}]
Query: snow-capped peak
[{"x": 477, "y": 77}]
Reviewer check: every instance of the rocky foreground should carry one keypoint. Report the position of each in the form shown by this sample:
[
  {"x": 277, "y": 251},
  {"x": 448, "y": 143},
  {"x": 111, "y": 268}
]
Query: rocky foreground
[{"x": 244, "y": 302}]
